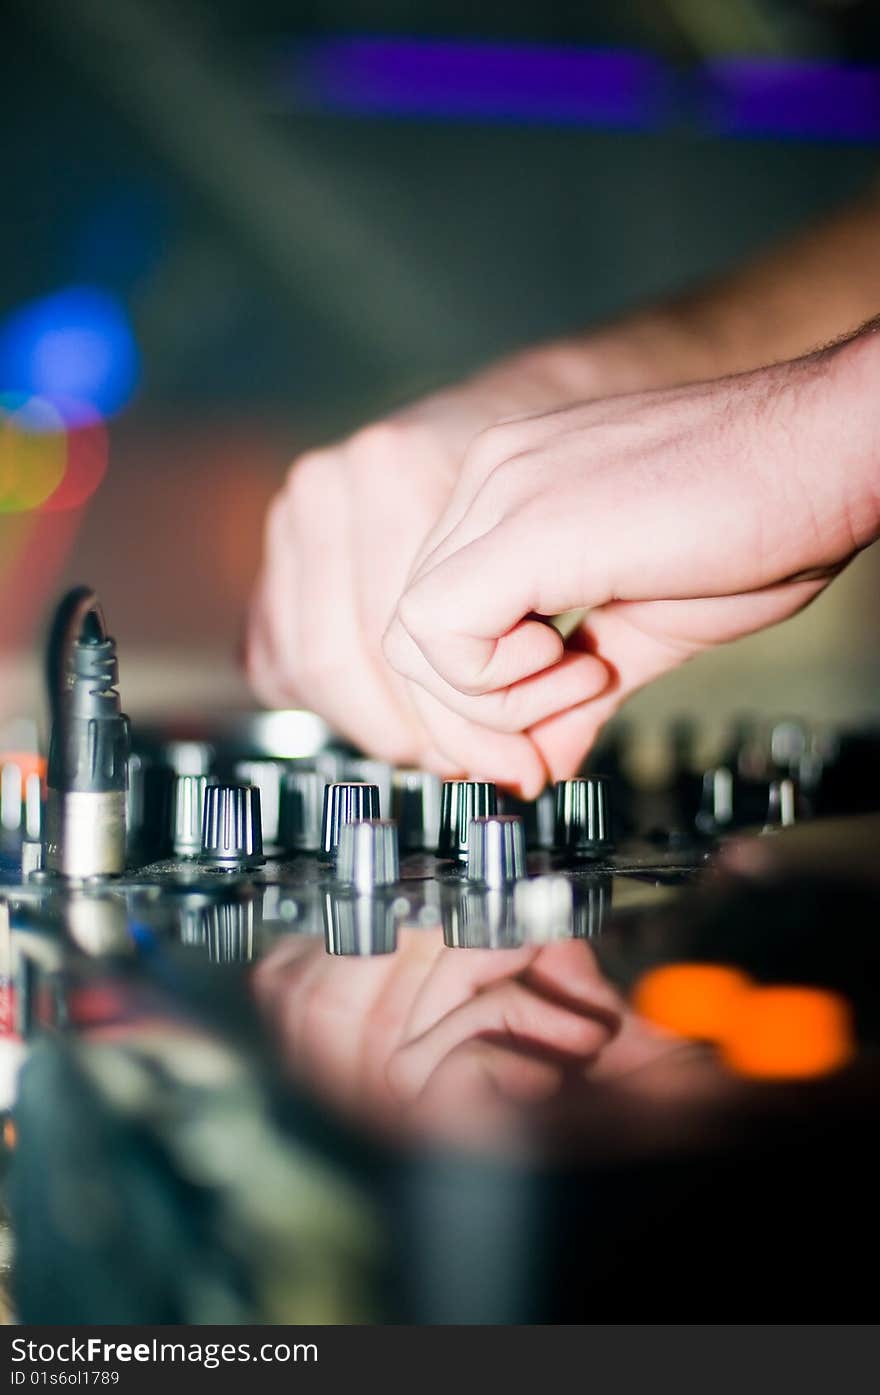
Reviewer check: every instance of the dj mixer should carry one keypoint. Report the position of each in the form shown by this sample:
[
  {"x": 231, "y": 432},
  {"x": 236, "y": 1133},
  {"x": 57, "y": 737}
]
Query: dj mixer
[{"x": 165, "y": 1160}]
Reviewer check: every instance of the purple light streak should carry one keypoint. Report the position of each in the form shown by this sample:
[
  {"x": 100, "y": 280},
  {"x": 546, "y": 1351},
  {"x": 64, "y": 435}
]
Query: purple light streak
[
  {"x": 603, "y": 88},
  {"x": 410, "y": 77}
]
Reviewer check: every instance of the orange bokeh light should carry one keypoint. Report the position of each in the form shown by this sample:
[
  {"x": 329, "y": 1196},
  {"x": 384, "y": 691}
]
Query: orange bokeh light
[
  {"x": 789, "y": 1033},
  {"x": 692, "y": 1000},
  {"x": 782, "y": 1032}
]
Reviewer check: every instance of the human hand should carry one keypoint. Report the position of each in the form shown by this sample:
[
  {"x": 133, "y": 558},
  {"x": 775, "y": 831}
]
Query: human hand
[
  {"x": 679, "y": 519},
  {"x": 340, "y": 540}
]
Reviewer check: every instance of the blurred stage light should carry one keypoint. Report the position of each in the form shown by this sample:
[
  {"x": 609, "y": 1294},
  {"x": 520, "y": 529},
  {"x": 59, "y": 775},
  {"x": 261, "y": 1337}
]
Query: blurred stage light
[
  {"x": 53, "y": 455},
  {"x": 789, "y": 1033},
  {"x": 778, "y": 1032},
  {"x": 405, "y": 77},
  {"x": 75, "y": 345},
  {"x": 33, "y": 452},
  {"x": 692, "y": 1000},
  {"x": 88, "y": 450}
]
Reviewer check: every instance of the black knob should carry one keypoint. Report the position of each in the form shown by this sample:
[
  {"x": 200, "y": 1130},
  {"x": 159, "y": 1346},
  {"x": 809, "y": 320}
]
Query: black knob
[
  {"x": 232, "y": 835},
  {"x": 583, "y": 827},
  {"x": 188, "y": 814},
  {"x": 461, "y": 801},
  {"x": 301, "y": 810},
  {"x": 148, "y": 809},
  {"x": 538, "y": 816},
  {"x": 345, "y": 803},
  {"x": 415, "y": 803},
  {"x": 496, "y": 850}
]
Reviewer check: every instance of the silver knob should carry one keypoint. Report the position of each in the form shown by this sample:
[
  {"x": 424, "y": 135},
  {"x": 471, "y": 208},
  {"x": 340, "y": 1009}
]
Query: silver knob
[
  {"x": 544, "y": 908},
  {"x": 188, "y": 814},
  {"x": 264, "y": 775},
  {"x": 781, "y": 805},
  {"x": 229, "y": 931},
  {"x": 189, "y": 757},
  {"x": 231, "y": 831},
  {"x": 496, "y": 850},
  {"x": 358, "y": 925},
  {"x": 480, "y": 918},
  {"x": 460, "y": 802},
  {"x": 330, "y": 763},
  {"x": 552, "y": 908},
  {"x": 716, "y": 803},
  {"x": 345, "y": 803},
  {"x": 367, "y": 855},
  {"x": 583, "y": 826}
]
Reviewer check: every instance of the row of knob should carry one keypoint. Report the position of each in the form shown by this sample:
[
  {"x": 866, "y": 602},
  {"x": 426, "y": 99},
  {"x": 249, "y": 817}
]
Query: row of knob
[
  {"x": 222, "y": 825},
  {"x": 534, "y": 911},
  {"x": 726, "y": 804}
]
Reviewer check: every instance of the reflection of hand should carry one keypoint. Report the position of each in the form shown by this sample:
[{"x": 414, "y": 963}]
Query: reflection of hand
[
  {"x": 436, "y": 1025},
  {"x": 339, "y": 1019},
  {"x": 680, "y": 519},
  {"x": 535, "y": 1012}
]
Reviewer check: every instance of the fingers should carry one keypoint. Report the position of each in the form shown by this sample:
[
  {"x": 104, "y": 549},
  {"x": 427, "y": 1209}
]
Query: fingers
[
  {"x": 568, "y": 973},
  {"x": 565, "y": 739},
  {"x": 269, "y": 659},
  {"x": 339, "y": 676},
  {"x": 640, "y": 640},
  {"x": 509, "y": 1010},
  {"x": 466, "y": 615},
  {"x": 479, "y": 1067},
  {"x": 475, "y": 751},
  {"x": 458, "y": 976},
  {"x": 569, "y": 679}
]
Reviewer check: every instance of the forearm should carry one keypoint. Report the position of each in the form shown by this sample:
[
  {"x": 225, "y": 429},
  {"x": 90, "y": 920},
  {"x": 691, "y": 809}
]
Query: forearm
[
  {"x": 790, "y": 300},
  {"x": 854, "y": 455}
]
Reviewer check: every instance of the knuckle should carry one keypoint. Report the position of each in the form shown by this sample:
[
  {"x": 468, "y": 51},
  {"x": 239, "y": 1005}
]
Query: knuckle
[
  {"x": 379, "y": 442},
  {"x": 393, "y": 648},
  {"x": 479, "y": 690},
  {"x": 485, "y": 453},
  {"x": 307, "y": 481},
  {"x": 508, "y": 479},
  {"x": 411, "y": 610},
  {"x": 500, "y": 713}
]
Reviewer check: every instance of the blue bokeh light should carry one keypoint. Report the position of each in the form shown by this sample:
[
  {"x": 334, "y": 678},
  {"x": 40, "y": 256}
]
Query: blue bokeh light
[{"x": 75, "y": 345}]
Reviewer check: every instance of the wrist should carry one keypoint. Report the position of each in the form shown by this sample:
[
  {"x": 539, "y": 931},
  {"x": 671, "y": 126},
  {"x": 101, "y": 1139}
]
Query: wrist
[
  {"x": 852, "y": 415},
  {"x": 654, "y": 349}
]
